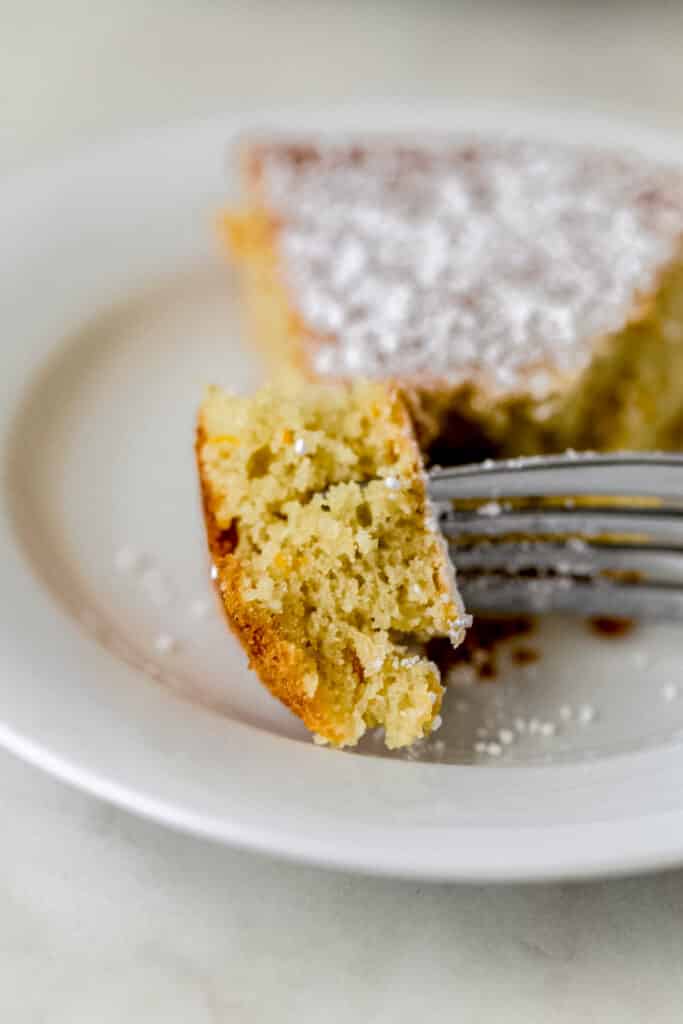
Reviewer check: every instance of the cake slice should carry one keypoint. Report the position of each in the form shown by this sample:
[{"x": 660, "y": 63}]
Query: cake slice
[
  {"x": 527, "y": 296},
  {"x": 331, "y": 570}
]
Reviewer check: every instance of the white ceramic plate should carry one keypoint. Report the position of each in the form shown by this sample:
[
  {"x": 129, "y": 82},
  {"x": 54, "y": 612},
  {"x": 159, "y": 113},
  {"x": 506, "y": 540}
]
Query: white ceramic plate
[{"x": 116, "y": 310}]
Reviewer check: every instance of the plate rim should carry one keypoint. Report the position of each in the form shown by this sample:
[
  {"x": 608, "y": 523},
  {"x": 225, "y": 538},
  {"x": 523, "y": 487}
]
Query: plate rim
[{"x": 650, "y": 856}]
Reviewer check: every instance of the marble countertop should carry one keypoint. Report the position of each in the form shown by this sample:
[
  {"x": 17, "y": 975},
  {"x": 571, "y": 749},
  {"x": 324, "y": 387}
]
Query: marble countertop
[{"x": 107, "y": 918}]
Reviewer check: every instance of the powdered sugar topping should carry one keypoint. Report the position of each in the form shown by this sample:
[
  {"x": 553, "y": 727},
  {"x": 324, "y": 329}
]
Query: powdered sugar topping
[{"x": 468, "y": 258}]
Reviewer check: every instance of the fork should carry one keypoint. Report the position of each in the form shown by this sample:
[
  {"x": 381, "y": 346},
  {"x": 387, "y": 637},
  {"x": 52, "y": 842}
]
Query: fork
[{"x": 581, "y": 533}]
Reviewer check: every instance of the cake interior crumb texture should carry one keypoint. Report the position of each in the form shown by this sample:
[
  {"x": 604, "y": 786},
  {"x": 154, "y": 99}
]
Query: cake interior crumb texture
[
  {"x": 528, "y": 296},
  {"x": 330, "y": 567}
]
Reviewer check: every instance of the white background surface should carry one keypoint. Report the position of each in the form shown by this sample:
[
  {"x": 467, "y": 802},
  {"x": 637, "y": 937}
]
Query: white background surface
[{"x": 106, "y": 918}]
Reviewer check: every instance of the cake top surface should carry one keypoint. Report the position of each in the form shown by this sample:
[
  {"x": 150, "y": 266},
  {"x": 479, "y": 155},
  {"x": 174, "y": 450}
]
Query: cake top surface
[{"x": 466, "y": 258}]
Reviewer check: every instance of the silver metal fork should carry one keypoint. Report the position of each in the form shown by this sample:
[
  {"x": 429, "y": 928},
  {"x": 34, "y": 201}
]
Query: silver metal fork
[{"x": 538, "y": 535}]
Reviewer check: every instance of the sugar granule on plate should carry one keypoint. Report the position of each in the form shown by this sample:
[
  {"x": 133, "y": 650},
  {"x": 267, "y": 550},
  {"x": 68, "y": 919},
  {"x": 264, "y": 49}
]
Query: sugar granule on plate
[
  {"x": 165, "y": 643},
  {"x": 126, "y": 560},
  {"x": 198, "y": 608},
  {"x": 156, "y": 586}
]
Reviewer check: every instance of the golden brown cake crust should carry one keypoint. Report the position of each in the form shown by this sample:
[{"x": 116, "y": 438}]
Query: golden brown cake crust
[{"x": 280, "y": 664}]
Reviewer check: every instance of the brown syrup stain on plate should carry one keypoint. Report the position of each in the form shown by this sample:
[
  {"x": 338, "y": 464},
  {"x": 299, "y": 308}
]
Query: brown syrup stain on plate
[
  {"x": 525, "y": 655},
  {"x": 607, "y": 626},
  {"x": 479, "y": 649}
]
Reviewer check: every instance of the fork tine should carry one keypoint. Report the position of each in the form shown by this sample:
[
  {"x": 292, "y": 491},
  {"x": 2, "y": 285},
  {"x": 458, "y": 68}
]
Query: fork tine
[
  {"x": 539, "y": 596},
  {"x": 566, "y": 559},
  {"x": 619, "y": 558},
  {"x": 658, "y": 526},
  {"x": 624, "y": 473}
]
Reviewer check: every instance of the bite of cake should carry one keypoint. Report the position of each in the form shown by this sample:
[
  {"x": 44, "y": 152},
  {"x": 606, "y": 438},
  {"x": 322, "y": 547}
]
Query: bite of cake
[{"x": 330, "y": 567}]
